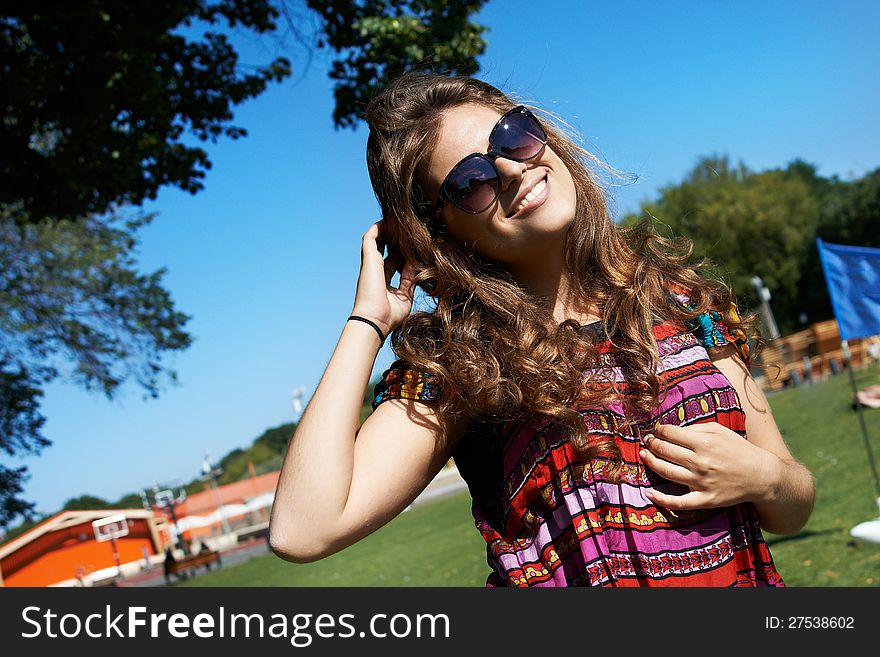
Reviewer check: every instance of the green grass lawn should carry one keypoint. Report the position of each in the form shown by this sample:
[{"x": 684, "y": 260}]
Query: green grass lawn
[
  {"x": 438, "y": 545},
  {"x": 431, "y": 545},
  {"x": 823, "y": 432}
]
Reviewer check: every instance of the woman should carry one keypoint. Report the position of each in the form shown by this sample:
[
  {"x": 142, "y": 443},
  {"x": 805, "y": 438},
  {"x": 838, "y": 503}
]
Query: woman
[{"x": 593, "y": 390}]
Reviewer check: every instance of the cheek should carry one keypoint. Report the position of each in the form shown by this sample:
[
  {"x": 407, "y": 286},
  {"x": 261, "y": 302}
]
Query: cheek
[
  {"x": 566, "y": 182},
  {"x": 474, "y": 233},
  {"x": 566, "y": 196},
  {"x": 466, "y": 229}
]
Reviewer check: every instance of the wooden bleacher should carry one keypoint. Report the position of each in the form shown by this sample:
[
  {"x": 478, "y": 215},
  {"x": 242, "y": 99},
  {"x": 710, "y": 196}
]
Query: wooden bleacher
[{"x": 785, "y": 359}]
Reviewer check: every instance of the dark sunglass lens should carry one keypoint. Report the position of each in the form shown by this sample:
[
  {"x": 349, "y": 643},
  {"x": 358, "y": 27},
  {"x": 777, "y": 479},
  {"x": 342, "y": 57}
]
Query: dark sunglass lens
[
  {"x": 473, "y": 185},
  {"x": 519, "y": 137}
]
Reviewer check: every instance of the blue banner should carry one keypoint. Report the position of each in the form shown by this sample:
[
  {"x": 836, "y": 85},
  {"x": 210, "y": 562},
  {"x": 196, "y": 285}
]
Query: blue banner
[{"x": 853, "y": 277}]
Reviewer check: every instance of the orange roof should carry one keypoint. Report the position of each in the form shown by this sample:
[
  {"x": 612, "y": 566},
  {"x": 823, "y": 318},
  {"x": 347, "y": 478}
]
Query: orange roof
[
  {"x": 64, "y": 519},
  {"x": 234, "y": 493}
]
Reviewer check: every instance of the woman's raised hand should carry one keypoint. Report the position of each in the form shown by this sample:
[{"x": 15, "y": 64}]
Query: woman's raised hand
[{"x": 376, "y": 299}]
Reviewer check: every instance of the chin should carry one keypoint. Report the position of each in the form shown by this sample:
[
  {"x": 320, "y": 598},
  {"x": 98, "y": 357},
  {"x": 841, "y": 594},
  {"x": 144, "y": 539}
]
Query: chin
[{"x": 551, "y": 218}]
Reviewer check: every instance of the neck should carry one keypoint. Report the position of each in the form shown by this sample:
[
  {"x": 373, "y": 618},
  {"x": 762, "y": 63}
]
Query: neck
[{"x": 547, "y": 278}]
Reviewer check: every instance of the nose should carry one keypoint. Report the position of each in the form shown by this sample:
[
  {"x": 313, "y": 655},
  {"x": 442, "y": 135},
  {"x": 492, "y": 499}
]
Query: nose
[{"x": 511, "y": 171}]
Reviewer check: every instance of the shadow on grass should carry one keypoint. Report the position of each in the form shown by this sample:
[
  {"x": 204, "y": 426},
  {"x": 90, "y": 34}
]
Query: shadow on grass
[{"x": 777, "y": 540}]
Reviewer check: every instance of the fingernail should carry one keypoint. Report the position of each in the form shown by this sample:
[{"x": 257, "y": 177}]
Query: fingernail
[{"x": 642, "y": 453}]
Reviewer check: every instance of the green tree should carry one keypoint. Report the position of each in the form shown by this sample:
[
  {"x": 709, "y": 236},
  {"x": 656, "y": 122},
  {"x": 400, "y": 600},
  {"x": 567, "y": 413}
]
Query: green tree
[
  {"x": 20, "y": 425},
  {"x": 129, "y": 501},
  {"x": 850, "y": 215},
  {"x": 275, "y": 440},
  {"x": 747, "y": 224},
  {"x": 378, "y": 39},
  {"x": 99, "y": 95},
  {"x": 72, "y": 304}
]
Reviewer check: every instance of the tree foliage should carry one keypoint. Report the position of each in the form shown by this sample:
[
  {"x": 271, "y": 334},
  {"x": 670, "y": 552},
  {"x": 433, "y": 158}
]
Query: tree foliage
[
  {"x": 73, "y": 304},
  {"x": 98, "y": 95},
  {"x": 378, "y": 39},
  {"x": 71, "y": 293},
  {"x": 765, "y": 223},
  {"x": 852, "y": 214}
]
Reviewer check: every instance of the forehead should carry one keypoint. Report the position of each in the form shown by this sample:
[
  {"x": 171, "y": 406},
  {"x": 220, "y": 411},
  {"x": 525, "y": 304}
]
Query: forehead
[{"x": 463, "y": 130}]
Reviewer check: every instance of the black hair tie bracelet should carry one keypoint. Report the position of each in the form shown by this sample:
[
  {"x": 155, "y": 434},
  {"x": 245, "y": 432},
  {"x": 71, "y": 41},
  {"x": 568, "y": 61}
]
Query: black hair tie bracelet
[{"x": 373, "y": 324}]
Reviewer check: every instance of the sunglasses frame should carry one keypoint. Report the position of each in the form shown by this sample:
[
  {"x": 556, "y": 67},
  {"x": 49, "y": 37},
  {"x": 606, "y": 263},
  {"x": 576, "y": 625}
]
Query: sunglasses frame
[{"x": 490, "y": 156}]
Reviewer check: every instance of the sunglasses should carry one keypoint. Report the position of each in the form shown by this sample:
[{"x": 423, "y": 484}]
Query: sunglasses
[{"x": 474, "y": 183}]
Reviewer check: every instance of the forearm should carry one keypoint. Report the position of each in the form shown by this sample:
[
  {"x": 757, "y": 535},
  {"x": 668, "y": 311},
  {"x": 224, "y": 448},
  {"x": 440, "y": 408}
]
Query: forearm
[
  {"x": 317, "y": 472},
  {"x": 787, "y": 498},
  {"x": 781, "y": 488}
]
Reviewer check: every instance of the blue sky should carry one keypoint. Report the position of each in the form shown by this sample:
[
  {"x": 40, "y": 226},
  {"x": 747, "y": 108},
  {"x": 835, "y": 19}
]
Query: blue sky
[{"x": 266, "y": 257}]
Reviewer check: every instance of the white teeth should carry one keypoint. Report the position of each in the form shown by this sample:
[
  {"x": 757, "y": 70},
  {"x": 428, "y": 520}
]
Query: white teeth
[{"x": 528, "y": 198}]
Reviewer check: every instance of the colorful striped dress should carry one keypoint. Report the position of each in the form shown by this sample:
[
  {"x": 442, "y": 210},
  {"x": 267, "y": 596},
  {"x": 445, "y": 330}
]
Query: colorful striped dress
[{"x": 551, "y": 520}]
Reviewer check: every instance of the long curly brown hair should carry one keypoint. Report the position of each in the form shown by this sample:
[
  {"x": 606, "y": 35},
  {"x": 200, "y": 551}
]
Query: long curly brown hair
[{"x": 495, "y": 351}]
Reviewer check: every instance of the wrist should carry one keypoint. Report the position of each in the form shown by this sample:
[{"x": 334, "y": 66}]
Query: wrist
[
  {"x": 772, "y": 473},
  {"x": 369, "y": 324},
  {"x": 374, "y": 317}
]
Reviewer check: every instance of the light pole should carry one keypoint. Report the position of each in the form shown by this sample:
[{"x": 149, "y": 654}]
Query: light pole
[
  {"x": 296, "y": 400},
  {"x": 766, "y": 313},
  {"x": 210, "y": 472}
]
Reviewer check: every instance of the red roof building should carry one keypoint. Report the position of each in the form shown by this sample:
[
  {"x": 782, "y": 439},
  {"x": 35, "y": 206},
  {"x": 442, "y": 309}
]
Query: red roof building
[
  {"x": 63, "y": 551},
  {"x": 245, "y": 503}
]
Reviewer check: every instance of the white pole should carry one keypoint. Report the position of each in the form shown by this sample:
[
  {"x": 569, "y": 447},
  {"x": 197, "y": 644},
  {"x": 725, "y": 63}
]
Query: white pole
[
  {"x": 211, "y": 473},
  {"x": 870, "y": 530},
  {"x": 766, "y": 312}
]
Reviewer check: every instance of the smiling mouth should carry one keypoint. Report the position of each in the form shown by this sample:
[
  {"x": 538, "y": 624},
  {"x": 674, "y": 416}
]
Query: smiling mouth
[{"x": 536, "y": 196}]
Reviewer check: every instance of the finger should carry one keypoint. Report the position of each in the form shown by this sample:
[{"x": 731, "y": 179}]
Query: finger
[
  {"x": 686, "y": 502},
  {"x": 392, "y": 263},
  {"x": 407, "y": 280},
  {"x": 369, "y": 246},
  {"x": 697, "y": 437},
  {"x": 702, "y": 427},
  {"x": 683, "y": 436},
  {"x": 705, "y": 427},
  {"x": 668, "y": 450},
  {"x": 382, "y": 238},
  {"x": 407, "y": 271},
  {"x": 667, "y": 470},
  {"x": 405, "y": 291},
  {"x": 370, "y": 236},
  {"x": 374, "y": 230}
]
